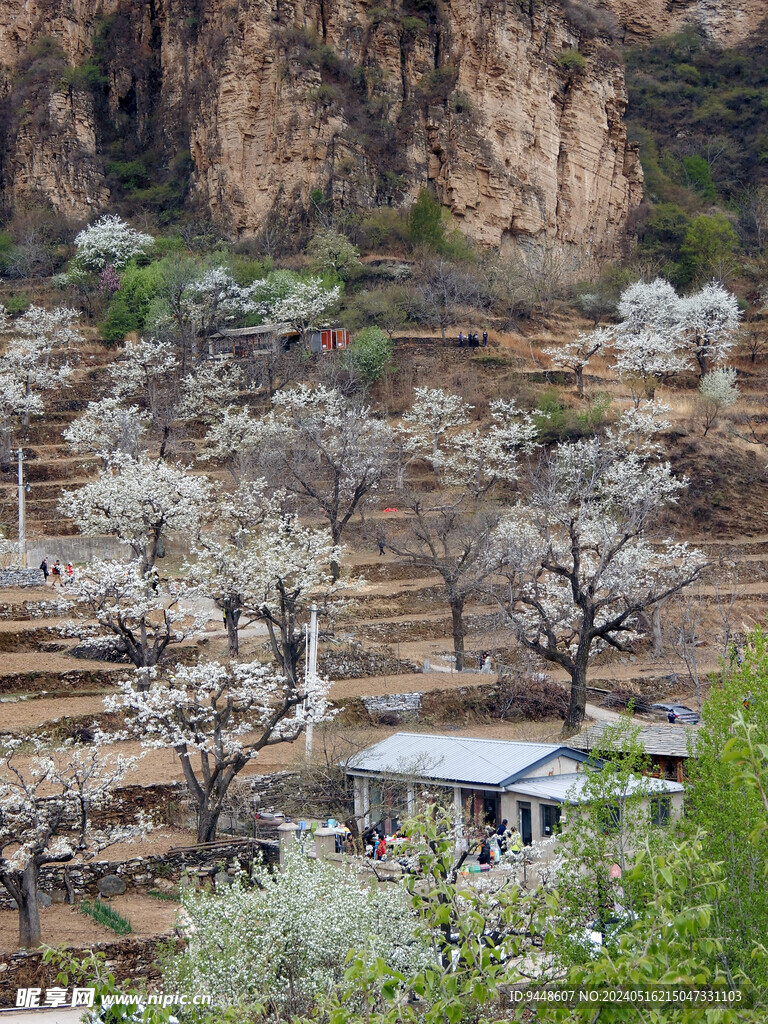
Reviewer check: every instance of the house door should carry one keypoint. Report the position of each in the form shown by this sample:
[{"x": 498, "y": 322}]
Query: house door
[{"x": 524, "y": 816}]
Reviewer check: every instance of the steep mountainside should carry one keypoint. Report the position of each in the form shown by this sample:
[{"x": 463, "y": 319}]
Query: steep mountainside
[{"x": 514, "y": 119}]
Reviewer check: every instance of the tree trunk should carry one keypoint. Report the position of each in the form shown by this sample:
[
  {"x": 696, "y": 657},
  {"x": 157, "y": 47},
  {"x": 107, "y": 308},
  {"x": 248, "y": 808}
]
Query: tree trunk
[
  {"x": 232, "y": 617},
  {"x": 207, "y": 823},
  {"x": 29, "y": 912},
  {"x": 579, "y": 371},
  {"x": 578, "y": 702},
  {"x": 335, "y": 566},
  {"x": 457, "y": 621}
]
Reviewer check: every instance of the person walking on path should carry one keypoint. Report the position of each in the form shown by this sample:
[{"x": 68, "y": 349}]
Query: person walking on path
[
  {"x": 56, "y": 573},
  {"x": 485, "y": 338},
  {"x": 44, "y": 567},
  {"x": 381, "y": 547},
  {"x": 69, "y": 571}
]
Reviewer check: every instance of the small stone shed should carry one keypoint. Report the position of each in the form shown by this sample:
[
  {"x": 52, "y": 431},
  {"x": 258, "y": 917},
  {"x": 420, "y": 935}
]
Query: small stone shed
[{"x": 529, "y": 784}]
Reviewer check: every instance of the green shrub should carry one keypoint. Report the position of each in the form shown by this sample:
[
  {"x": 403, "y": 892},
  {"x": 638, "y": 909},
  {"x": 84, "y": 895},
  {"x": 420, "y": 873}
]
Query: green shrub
[
  {"x": 571, "y": 61},
  {"x": 414, "y": 26},
  {"x": 709, "y": 242},
  {"x": 7, "y": 247},
  {"x": 370, "y": 354},
  {"x": 83, "y": 78},
  {"x": 129, "y": 306},
  {"x": 105, "y": 915},
  {"x": 18, "y": 303},
  {"x": 425, "y": 221},
  {"x": 699, "y": 177}
]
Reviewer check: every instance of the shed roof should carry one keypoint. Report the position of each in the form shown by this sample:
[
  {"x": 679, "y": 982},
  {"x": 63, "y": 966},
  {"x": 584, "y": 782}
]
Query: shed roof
[
  {"x": 668, "y": 740},
  {"x": 458, "y": 759},
  {"x": 246, "y": 332},
  {"x": 568, "y": 788}
]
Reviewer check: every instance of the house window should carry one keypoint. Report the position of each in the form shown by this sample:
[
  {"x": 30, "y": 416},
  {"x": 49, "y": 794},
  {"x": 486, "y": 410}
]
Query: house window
[
  {"x": 550, "y": 819},
  {"x": 611, "y": 818},
  {"x": 661, "y": 808}
]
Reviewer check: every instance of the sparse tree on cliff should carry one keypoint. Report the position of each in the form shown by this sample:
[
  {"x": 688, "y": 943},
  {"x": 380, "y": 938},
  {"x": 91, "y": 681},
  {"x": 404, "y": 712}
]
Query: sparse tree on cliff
[
  {"x": 575, "y": 355},
  {"x": 46, "y": 802},
  {"x": 217, "y": 718},
  {"x": 140, "y": 501},
  {"x": 577, "y": 557}
]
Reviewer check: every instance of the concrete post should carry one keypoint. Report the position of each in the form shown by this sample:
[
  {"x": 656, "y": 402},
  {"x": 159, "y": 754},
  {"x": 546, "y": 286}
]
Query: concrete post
[
  {"x": 325, "y": 843},
  {"x": 287, "y": 834}
]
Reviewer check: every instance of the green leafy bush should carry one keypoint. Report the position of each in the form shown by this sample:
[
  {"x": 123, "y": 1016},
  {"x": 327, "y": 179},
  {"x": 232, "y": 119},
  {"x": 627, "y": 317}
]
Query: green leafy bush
[
  {"x": 571, "y": 61},
  {"x": 370, "y": 354},
  {"x": 425, "y": 221}
]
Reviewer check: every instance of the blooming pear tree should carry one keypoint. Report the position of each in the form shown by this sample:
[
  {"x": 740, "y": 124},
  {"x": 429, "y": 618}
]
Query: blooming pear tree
[
  {"x": 709, "y": 322},
  {"x": 577, "y": 557},
  {"x": 150, "y": 373},
  {"x": 434, "y": 411},
  {"x": 140, "y": 501},
  {"x": 26, "y": 366},
  {"x": 46, "y": 803},
  {"x": 304, "y": 306},
  {"x": 293, "y": 568},
  {"x": 330, "y": 452},
  {"x": 107, "y": 427},
  {"x": 223, "y": 567},
  {"x": 575, "y": 355},
  {"x": 132, "y": 604},
  {"x": 217, "y": 718},
  {"x": 717, "y": 390},
  {"x": 476, "y": 459},
  {"x": 236, "y": 440},
  {"x": 661, "y": 334},
  {"x": 109, "y": 241}
]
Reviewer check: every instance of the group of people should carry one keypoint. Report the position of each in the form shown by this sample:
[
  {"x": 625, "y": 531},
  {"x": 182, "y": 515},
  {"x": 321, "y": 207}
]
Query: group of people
[
  {"x": 505, "y": 837},
  {"x": 472, "y": 339},
  {"x": 59, "y": 573}
]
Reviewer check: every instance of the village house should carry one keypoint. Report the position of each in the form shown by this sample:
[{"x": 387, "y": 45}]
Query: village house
[
  {"x": 267, "y": 339},
  {"x": 668, "y": 746},
  {"x": 529, "y": 784}
]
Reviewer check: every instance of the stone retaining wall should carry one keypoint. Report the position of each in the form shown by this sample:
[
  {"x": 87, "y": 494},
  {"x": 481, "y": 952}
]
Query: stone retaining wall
[
  {"x": 21, "y": 578},
  {"x": 62, "y": 882},
  {"x": 127, "y": 959}
]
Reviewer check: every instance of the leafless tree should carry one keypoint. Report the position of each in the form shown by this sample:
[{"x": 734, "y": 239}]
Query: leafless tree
[
  {"x": 449, "y": 534},
  {"x": 444, "y": 291}
]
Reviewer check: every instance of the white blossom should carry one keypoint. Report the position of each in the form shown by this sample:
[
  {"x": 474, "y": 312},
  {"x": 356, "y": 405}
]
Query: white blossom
[
  {"x": 434, "y": 411},
  {"x": 109, "y": 240},
  {"x": 576, "y": 354},
  {"x": 304, "y": 306},
  {"x": 285, "y": 938},
  {"x": 106, "y": 427},
  {"x": 139, "y": 500}
]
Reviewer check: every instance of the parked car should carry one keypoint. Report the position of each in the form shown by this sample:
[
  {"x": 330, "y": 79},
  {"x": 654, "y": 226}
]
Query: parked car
[{"x": 681, "y": 712}]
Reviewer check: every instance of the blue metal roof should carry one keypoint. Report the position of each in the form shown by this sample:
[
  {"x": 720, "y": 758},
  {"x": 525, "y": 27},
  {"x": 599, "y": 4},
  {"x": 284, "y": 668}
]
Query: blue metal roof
[{"x": 460, "y": 759}]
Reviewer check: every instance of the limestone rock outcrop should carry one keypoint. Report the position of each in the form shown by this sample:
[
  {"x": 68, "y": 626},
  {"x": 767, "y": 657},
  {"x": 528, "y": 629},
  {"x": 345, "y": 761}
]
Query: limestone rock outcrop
[{"x": 514, "y": 122}]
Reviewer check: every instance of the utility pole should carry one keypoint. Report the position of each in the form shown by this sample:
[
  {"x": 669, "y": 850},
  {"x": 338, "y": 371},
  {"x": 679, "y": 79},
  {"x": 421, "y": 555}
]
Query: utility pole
[
  {"x": 310, "y": 672},
  {"x": 22, "y": 512}
]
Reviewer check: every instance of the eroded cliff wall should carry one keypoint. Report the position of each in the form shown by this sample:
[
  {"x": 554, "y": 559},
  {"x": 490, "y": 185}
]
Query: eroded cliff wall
[
  {"x": 726, "y": 22},
  {"x": 253, "y": 105}
]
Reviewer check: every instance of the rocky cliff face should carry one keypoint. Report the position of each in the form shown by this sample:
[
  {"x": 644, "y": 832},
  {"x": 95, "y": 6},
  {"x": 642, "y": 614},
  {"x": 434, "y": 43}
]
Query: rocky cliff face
[
  {"x": 252, "y": 105},
  {"x": 726, "y": 22}
]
